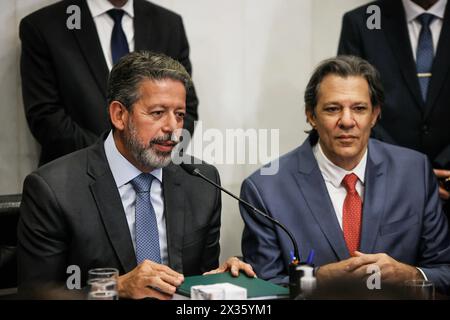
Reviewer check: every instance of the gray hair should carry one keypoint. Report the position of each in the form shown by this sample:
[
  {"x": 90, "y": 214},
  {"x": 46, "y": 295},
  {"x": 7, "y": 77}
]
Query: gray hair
[
  {"x": 344, "y": 66},
  {"x": 132, "y": 69}
]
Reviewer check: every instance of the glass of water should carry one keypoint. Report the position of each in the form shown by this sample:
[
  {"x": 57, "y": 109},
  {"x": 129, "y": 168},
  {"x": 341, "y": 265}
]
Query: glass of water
[
  {"x": 102, "y": 284},
  {"x": 420, "y": 289}
]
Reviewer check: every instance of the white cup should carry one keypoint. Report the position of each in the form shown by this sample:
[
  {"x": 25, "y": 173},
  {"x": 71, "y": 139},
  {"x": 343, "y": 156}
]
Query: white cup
[
  {"x": 102, "y": 284},
  {"x": 420, "y": 289}
]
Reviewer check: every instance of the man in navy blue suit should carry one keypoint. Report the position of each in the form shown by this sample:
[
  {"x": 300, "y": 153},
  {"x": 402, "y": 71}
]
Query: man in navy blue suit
[
  {"x": 354, "y": 200},
  {"x": 411, "y": 51}
]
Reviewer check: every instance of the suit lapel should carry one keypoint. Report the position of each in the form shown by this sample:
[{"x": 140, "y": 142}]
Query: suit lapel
[
  {"x": 110, "y": 207},
  {"x": 174, "y": 211},
  {"x": 396, "y": 32},
  {"x": 315, "y": 193},
  {"x": 142, "y": 26},
  {"x": 89, "y": 43},
  {"x": 374, "y": 194},
  {"x": 441, "y": 63}
]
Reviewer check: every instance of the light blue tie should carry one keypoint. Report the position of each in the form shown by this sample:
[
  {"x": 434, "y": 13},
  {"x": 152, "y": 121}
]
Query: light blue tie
[
  {"x": 147, "y": 238},
  {"x": 425, "y": 54}
]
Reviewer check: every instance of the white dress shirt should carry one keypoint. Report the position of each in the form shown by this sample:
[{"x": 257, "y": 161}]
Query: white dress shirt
[
  {"x": 333, "y": 176},
  {"x": 412, "y": 11},
  {"x": 105, "y": 25},
  {"x": 123, "y": 172}
]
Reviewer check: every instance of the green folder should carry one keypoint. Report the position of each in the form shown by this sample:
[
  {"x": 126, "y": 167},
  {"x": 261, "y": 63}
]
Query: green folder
[{"x": 256, "y": 288}]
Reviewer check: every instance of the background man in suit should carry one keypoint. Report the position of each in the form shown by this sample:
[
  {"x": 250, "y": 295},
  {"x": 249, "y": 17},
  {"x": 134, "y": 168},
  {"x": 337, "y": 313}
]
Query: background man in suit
[
  {"x": 411, "y": 53},
  {"x": 345, "y": 196},
  {"x": 64, "y": 72},
  {"x": 121, "y": 202}
]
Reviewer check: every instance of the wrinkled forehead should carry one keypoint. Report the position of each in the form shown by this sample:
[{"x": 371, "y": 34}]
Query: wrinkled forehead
[{"x": 335, "y": 88}]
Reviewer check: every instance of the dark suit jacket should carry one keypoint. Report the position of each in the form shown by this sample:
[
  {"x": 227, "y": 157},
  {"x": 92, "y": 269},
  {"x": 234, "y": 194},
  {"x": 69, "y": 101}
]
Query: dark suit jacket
[
  {"x": 64, "y": 73},
  {"x": 71, "y": 214},
  {"x": 406, "y": 120},
  {"x": 402, "y": 214}
]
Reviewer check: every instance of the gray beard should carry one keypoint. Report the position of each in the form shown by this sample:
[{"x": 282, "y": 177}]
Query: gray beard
[{"x": 145, "y": 155}]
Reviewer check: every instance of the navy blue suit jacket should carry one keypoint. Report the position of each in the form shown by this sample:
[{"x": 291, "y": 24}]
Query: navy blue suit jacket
[{"x": 402, "y": 214}]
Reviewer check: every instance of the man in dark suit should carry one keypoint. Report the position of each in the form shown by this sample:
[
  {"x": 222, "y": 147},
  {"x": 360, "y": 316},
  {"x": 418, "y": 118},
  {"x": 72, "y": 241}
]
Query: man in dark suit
[
  {"x": 343, "y": 194},
  {"x": 411, "y": 53},
  {"x": 121, "y": 202},
  {"x": 64, "y": 71}
]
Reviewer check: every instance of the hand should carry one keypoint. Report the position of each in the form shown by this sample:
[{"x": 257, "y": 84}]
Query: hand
[
  {"x": 442, "y": 174},
  {"x": 149, "y": 280},
  {"x": 233, "y": 264},
  {"x": 391, "y": 270},
  {"x": 337, "y": 271}
]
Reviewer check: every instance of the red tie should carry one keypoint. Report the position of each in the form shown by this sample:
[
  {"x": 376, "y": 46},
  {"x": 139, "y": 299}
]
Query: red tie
[{"x": 351, "y": 218}]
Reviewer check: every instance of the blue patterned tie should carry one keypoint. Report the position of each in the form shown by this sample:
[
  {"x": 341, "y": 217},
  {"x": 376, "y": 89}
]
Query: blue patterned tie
[
  {"x": 425, "y": 54},
  {"x": 147, "y": 238},
  {"x": 119, "y": 43}
]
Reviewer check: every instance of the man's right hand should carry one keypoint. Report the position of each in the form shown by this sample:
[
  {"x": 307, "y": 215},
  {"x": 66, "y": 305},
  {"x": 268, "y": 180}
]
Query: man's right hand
[
  {"x": 149, "y": 280},
  {"x": 337, "y": 271}
]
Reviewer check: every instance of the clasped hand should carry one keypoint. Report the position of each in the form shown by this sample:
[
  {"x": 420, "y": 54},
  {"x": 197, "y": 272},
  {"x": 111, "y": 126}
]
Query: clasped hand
[{"x": 391, "y": 271}]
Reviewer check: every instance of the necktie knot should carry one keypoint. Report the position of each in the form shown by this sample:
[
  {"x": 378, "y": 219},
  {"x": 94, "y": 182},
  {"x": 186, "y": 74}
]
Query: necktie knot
[
  {"x": 116, "y": 15},
  {"x": 142, "y": 182},
  {"x": 349, "y": 182},
  {"x": 425, "y": 19}
]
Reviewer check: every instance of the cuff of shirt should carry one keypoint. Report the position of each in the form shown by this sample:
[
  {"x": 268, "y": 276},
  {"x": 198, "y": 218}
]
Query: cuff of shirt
[{"x": 423, "y": 273}]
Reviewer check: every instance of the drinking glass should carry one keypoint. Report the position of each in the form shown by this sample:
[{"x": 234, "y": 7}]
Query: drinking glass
[
  {"x": 420, "y": 289},
  {"x": 102, "y": 284}
]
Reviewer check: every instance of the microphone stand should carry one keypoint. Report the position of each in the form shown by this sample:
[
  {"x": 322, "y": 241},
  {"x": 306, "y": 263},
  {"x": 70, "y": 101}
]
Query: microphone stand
[{"x": 294, "y": 275}]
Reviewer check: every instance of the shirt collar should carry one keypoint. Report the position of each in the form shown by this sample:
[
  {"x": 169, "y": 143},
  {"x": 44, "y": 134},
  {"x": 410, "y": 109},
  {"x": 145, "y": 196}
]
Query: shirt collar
[
  {"x": 122, "y": 170},
  {"x": 99, "y": 7},
  {"x": 413, "y": 10},
  {"x": 334, "y": 173}
]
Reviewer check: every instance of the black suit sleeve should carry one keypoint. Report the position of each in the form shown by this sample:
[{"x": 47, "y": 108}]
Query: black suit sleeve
[
  {"x": 191, "y": 99},
  {"x": 44, "y": 109},
  {"x": 42, "y": 237}
]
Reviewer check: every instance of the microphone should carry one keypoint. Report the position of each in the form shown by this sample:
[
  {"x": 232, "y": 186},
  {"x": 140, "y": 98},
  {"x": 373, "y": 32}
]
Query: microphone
[{"x": 192, "y": 170}]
